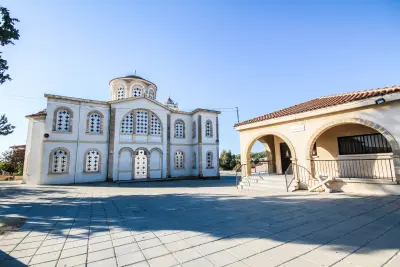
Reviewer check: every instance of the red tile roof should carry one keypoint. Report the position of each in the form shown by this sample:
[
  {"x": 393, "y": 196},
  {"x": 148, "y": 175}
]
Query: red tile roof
[
  {"x": 38, "y": 114},
  {"x": 324, "y": 102}
]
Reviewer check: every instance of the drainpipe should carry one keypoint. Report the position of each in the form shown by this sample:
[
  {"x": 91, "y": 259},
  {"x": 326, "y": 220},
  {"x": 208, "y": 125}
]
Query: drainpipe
[{"x": 77, "y": 142}]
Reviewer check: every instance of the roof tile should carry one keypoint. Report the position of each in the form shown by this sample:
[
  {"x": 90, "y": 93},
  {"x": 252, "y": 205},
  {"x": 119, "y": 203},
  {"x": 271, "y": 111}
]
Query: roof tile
[{"x": 323, "y": 102}]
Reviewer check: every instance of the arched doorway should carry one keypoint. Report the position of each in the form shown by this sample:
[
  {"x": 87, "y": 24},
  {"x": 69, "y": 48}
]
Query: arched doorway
[
  {"x": 125, "y": 164},
  {"x": 351, "y": 149},
  {"x": 278, "y": 150}
]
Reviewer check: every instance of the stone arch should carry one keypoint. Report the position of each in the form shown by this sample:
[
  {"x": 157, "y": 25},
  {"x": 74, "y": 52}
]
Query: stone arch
[
  {"x": 380, "y": 129},
  {"x": 283, "y": 137},
  {"x": 119, "y": 169},
  {"x": 246, "y": 159},
  {"x": 156, "y": 149}
]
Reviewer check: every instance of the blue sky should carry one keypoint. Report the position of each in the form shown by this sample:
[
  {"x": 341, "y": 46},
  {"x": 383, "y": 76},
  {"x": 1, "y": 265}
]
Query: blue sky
[{"x": 258, "y": 55}]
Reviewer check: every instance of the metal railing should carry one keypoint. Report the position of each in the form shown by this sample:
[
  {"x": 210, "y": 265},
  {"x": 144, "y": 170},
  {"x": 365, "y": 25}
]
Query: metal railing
[
  {"x": 264, "y": 167},
  {"x": 300, "y": 173},
  {"x": 239, "y": 168},
  {"x": 377, "y": 168}
]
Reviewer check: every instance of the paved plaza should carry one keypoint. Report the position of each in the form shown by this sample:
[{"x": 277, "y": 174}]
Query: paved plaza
[{"x": 196, "y": 223}]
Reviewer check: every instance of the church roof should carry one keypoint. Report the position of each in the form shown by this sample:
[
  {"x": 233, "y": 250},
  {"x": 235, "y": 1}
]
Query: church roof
[
  {"x": 37, "y": 114},
  {"x": 323, "y": 102},
  {"x": 130, "y": 77},
  {"x": 89, "y": 101},
  {"x": 169, "y": 101}
]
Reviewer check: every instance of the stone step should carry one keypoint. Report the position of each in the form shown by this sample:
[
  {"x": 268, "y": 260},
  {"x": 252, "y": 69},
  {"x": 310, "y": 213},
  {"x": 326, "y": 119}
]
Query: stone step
[
  {"x": 266, "y": 189},
  {"x": 265, "y": 185}
]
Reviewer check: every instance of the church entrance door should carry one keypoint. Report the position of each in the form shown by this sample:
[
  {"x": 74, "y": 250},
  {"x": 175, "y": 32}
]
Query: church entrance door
[{"x": 140, "y": 164}]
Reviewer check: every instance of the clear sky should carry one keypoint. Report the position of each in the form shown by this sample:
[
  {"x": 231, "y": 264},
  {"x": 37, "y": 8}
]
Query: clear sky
[{"x": 258, "y": 55}]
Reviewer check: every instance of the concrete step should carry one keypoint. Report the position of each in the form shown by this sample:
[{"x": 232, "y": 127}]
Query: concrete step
[
  {"x": 266, "y": 189},
  {"x": 275, "y": 185}
]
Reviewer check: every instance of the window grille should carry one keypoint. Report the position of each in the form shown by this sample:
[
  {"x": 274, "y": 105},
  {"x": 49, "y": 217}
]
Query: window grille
[
  {"x": 363, "y": 144},
  {"x": 142, "y": 122},
  {"x": 155, "y": 126},
  {"x": 92, "y": 161},
  {"x": 120, "y": 93},
  {"x": 179, "y": 159},
  {"x": 209, "y": 159},
  {"x": 95, "y": 123},
  {"x": 209, "y": 130},
  {"x": 59, "y": 161},
  {"x": 127, "y": 124},
  {"x": 151, "y": 94},
  {"x": 179, "y": 129},
  {"x": 137, "y": 92},
  {"x": 63, "y": 121}
]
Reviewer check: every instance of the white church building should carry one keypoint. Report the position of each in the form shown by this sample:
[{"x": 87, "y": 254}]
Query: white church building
[{"x": 131, "y": 137}]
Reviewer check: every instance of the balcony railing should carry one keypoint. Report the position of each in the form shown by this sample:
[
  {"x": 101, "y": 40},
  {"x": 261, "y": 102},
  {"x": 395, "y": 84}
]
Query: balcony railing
[{"x": 376, "y": 168}]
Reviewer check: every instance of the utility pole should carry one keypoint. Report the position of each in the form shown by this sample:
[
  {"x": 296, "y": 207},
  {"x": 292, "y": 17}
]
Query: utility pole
[{"x": 237, "y": 113}]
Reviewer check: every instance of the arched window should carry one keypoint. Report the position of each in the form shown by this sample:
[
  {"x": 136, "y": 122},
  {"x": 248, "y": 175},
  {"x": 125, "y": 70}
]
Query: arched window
[
  {"x": 142, "y": 122},
  {"x": 209, "y": 130},
  {"x": 194, "y": 161},
  {"x": 127, "y": 124},
  {"x": 59, "y": 161},
  {"x": 155, "y": 125},
  {"x": 193, "y": 130},
  {"x": 62, "y": 120},
  {"x": 136, "y": 92},
  {"x": 94, "y": 123},
  {"x": 151, "y": 94},
  {"x": 179, "y": 129},
  {"x": 120, "y": 93},
  {"x": 179, "y": 160},
  {"x": 92, "y": 160},
  {"x": 209, "y": 159}
]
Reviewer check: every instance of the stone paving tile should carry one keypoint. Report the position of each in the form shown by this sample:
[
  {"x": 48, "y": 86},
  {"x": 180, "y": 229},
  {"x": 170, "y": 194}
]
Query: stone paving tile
[
  {"x": 101, "y": 255},
  {"x": 203, "y": 262},
  {"x": 116, "y": 221},
  {"x": 72, "y": 261},
  {"x": 163, "y": 261},
  {"x": 222, "y": 258},
  {"x": 48, "y": 249},
  {"x": 177, "y": 245},
  {"x": 111, "y": 262},
  {"x": 149, "y": 243},
  {"x": 45, "y": 257},
  {"x": 154, "y": 252},
  {"x": 130, "y": 258},
  {"x": 100, "y": 246},
  {"x": 187, "y": 255},
  {"x": 66, "y": 253}
]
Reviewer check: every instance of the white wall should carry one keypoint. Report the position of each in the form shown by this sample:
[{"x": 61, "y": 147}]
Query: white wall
[
  {"x": 33, "y": 152},
  {"x": 121, "y": 109}
]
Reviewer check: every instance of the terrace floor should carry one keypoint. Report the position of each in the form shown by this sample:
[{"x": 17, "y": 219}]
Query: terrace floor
[{"x": 196, "y": 223}]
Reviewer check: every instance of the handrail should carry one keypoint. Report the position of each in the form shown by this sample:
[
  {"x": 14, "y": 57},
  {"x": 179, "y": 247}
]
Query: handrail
[
  {"x": 297, "y": 174},
  {"x": 286, "y": 173},
  {"x": 237, "y": 170}
]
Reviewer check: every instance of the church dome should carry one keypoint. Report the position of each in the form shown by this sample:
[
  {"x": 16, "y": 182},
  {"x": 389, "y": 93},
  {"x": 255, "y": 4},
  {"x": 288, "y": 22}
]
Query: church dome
[{"x": 132, "y": 86}]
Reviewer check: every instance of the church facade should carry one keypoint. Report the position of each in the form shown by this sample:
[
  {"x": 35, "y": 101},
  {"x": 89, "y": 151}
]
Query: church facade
[{"x": 131, "y": 137}]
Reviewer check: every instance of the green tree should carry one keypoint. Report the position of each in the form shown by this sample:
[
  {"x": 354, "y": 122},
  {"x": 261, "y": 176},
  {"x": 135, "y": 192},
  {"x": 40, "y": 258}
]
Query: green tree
[
  {"x": 8, "y": 33},
  {"x": 12, "y": 161},
  {"x": 5, "y": 127},
  {"x": 225, "y": 159}
]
